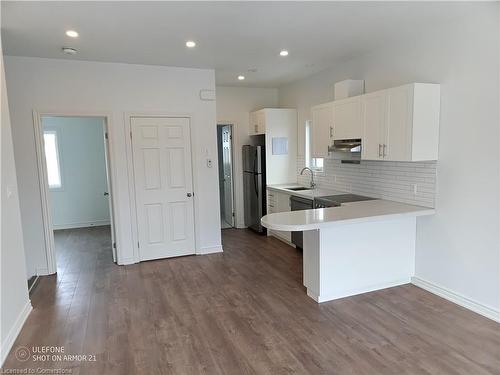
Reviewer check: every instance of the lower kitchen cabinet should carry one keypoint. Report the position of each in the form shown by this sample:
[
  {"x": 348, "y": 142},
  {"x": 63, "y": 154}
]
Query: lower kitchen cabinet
[{"x": 278, "y": 202}]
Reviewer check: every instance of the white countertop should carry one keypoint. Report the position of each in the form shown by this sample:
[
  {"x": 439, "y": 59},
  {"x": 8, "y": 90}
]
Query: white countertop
[
  {"x": 348, "y": 213},
  {"x": 311, "y": 194}
]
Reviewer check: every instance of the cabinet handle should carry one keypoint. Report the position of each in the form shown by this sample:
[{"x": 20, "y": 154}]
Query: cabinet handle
[
  {"x": 383, "y": 151},
  {"x": 379, "y": 150},
  {"x": 331, "y": 131}
]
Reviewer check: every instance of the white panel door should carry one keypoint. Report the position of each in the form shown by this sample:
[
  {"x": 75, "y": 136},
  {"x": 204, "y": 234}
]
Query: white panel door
[{"x": 163, "y": 186}]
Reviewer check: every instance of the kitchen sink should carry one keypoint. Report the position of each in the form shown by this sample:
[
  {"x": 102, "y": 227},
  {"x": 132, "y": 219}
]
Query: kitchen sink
[{"x": 298, "y": 188}]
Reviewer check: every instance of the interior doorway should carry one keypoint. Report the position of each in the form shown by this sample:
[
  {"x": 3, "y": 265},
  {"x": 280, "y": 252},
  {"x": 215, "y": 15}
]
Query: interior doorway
[
  {"x": 76, "y": 191},
  {"x": 226, "y": 175}
]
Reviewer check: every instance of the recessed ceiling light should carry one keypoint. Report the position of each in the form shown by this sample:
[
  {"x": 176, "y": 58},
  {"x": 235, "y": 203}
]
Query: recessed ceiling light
[
  {"x": 69, "y": 51},
  {"x": 284, "y": 52},
  {"x": 72, "y": 34},
  {"x": 241, "y": 78},
  {"x": 190, "y": 44}
]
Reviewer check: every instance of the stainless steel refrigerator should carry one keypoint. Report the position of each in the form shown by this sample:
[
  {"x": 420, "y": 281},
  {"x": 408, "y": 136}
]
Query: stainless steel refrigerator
[{"x": 254, "y": 186}]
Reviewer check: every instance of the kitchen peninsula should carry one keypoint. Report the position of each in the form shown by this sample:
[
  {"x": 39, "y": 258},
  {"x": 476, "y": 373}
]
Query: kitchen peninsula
[{"x": 355, "y": 248}]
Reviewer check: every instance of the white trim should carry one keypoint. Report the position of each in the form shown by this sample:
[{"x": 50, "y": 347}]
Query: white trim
[
  {"x": 457, "y": 298},
  {"x": 48, "y": 226},
  {"x": 210, "y": 250},
  {"x": 14, "y": 331},
  {"x": 40, "y": 271},
  {"x": 354, "y": 292},
  {"x": 127, "y": 261},
  {"x": 44, "y": 195},
  {"x": 84, "y": 224}
]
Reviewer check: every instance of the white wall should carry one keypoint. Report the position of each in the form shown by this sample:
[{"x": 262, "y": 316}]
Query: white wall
[
  {"x": 458, "y": 248},
  {"x": 14, "y": 303},
  {"x": 80, "y": 202},
  {"x": 117, "y": 89},
  {"x": 234, "y": 105}
]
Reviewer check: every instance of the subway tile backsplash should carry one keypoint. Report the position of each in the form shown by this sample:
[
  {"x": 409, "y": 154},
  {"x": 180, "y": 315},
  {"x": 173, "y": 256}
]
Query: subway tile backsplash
[{"x": 380, "y": 179}]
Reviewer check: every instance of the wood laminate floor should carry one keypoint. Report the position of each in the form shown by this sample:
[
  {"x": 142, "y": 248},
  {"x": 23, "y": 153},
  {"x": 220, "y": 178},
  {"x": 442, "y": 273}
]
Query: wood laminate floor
[{"x": 244, "y": 311}]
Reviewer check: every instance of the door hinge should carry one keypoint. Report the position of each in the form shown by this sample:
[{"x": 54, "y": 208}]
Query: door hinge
[
  {"x": 106, "y": 135},
  {"x": 130, "y": 135},
  {"x": 138, "y": 246},
  {"x": 114, "y": 245},
  {"x": 233, "y": 214}
]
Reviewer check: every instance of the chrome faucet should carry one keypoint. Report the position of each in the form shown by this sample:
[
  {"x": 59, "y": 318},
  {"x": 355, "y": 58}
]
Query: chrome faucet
[{"x": 312, "y": 184}]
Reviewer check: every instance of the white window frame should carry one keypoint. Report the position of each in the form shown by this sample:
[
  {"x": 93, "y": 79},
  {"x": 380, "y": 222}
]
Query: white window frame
[
  {"x": 58, "y": 158},
  {"x": 310, "y": 161}
]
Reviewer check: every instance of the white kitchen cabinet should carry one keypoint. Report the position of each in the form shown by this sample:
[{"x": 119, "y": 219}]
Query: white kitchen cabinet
[
  {"x": 258, "y": 121},
  {"x": 321, "y": 129},
  {"x": 373, "y": 117},
  {"x": 278, "y": 202},
  {"x": 335, "y": 120},
  {"x": 347, "y": 118},
  {"x": 279, "y": 127},
  {"x": 401, "y": 123},
  {"x": 253, "y": 124}
]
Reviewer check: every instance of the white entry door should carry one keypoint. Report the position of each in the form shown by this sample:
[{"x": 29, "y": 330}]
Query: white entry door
[{"x": 163, "y": 186}]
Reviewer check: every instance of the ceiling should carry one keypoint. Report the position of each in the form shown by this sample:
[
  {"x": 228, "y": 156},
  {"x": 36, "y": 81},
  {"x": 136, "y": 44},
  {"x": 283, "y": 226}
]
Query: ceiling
[{"x": 232, "y": 37}]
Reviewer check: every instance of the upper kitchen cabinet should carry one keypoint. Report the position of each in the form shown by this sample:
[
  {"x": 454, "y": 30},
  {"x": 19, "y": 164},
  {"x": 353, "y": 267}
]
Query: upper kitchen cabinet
[
  {"x": 401, "y": 123},
  {"x": 321, "y": 129},
  {"x": 340, "y": 119},
  {"x": 258, "y": 121},
  {"x": 347, "y": 118}
]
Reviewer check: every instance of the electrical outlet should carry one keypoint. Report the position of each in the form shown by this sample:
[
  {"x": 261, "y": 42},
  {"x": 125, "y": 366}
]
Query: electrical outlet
[{"x": 209, "y": 163}]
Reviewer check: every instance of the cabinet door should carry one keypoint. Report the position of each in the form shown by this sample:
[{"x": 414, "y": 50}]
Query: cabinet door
[
  {"x": 397, "y": 146},
  {"x": 283, "y": 205},
  {"x": 253, "y": 125},
  {"x": 321, "y": 130},
  {"x": 283, "y": 202},
  {"x": 261, "y": 122},
  {"x": 374, "y": 109},
  {"x": 347, "y": 119}
]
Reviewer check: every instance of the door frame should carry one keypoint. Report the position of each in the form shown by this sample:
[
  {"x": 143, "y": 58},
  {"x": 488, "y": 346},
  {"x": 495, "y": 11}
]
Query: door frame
[
  {"x": 43, "y": 182},
  {"x": 131, "y": 177},
  {"x": 233, "y": 189}
]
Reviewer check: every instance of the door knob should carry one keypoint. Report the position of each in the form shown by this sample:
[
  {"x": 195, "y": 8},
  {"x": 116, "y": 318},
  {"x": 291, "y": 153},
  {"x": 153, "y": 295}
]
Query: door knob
[
  {"x": 189, "y": 194},
  {"x": 106, "y": 193}
]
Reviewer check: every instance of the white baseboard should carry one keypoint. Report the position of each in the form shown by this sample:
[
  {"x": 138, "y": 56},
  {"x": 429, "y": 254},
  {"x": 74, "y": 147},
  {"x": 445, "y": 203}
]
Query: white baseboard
[
  {"x": 210, "y": 250},
  {"x": 86, "y": 224},
  {"x": 42, "y": 271},
  {"x": 353, "y": 292},
  {"x": 127, "y": 261},
  {"x": 14, "y": 332},
  {"x": 457, "y": 298}
]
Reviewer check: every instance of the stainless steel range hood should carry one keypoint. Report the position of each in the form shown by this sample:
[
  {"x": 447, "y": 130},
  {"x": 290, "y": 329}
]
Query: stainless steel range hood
[
  {"x": 346, "y": 150},
  {"x": 346, "y": 145}
]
